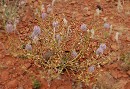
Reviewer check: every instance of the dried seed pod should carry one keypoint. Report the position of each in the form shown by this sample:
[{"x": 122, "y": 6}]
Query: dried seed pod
[
  {"x": 117, "y": 37},
  {"x": 49, "y": 9},
  {"x": 65, "y": 21},
  {"x": 92, "y": 33}
]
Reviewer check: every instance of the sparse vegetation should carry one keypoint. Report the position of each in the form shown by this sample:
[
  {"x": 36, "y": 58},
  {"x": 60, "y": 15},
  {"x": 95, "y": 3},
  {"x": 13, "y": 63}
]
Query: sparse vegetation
[
  {"x": 36, "y": 84},
  {"x": 59, "y": 43}
]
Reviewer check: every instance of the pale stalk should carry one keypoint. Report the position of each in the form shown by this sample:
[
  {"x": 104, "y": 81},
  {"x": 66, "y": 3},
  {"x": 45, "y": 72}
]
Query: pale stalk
[{"x": 54, "y": 33}]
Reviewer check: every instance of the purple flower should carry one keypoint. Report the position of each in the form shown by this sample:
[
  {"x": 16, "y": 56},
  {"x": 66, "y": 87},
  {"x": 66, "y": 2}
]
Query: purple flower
[
  {"x": 91, "y": 69},
  {"x": 55, "y": 24},
  {"x": 28, "y": 47},
  {"x": 44, "y": 15},
  {"x": 58, "y": 37},
  {"x": 74, "y": 54},
  {"x": 36, "y": 31},
  {"x": 106, "y": 25},
  {"x": 99, "y": 51},
  {"x": 103, "y": 46},
  {"x": 9, "y": 28},
  {"x": 83, "y": 27}
]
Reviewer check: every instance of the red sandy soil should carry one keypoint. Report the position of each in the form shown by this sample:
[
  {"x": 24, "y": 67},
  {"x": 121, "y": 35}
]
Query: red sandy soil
[{"x": 17, "y": 73}]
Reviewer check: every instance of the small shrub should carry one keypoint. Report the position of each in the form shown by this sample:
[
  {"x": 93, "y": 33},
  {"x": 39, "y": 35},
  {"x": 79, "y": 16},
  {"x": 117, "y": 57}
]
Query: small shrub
[
  {"x": 126, "y": 62},
  {"x": 36, "y": 84}
]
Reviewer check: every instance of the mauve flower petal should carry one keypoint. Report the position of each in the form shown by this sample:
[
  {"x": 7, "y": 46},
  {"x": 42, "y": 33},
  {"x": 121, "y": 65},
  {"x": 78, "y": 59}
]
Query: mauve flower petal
[
  {"x": 83, "y": 27},
  {"x": 58, "y": 37},
  {"x": 44, "y": 15},
  {"x": 28, "y": 47},
  {"x": 55, "y": 23},
  {"x": 9, "y": 28},
  {"x": 106, "y": 25},
  {"x": 103, "y": 46},
  {"x": 36, "y": 31},
  {"x": 91, "y": 69},
  {"x": 99, "y": 51},
  {"x": 74, "y": 53}
]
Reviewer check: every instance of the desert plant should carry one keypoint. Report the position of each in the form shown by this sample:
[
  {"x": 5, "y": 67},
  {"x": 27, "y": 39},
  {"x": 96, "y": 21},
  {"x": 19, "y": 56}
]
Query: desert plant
[
  {"x": 9, "y": 13},
  {"x": 36, "y": 84},
  {"x": 126, "y": 62},
  {"x": 51, "y": 36}
]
